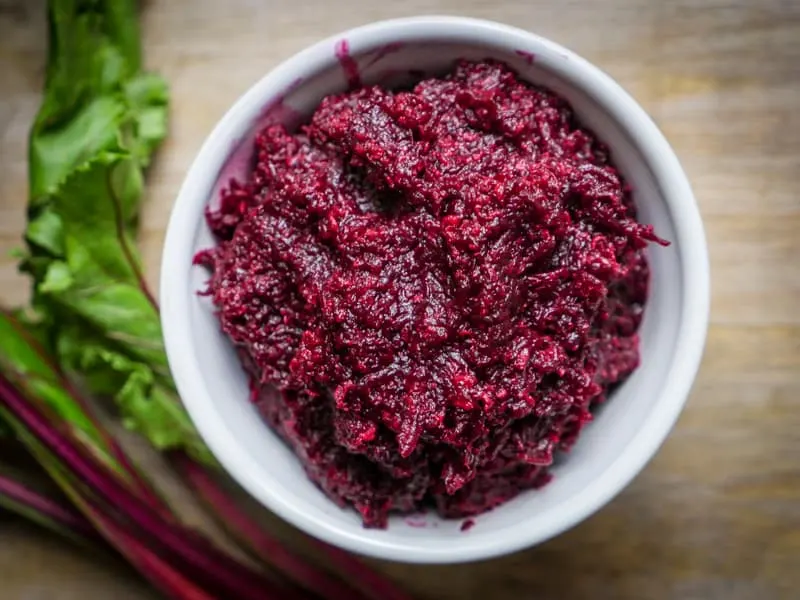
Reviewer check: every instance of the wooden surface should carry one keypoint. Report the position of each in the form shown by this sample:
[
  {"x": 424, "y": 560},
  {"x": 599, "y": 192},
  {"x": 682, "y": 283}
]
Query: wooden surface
[{"x": 716, "y": 515}]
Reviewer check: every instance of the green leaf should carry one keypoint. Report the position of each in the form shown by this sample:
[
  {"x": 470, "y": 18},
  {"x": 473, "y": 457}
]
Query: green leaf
[
  {"x": 100, "y": 122},
  {"x": 46, "y": 233},
  {"x": 144, "y": 395},
  {"x": 100, "y": 278},
  {"x": 94, "y": 57},
  {"x": 25, "y": 361},
  {"x": 56, "y": 152},
  {"x": 122, "y": 25},
  {"x": 94, "y": 46},
  {"x": 57, "y": 279},
  {"x": 148, "y": 96},
  {"x": 151, "y": 410},
  {"x": 96, "y": 206}
]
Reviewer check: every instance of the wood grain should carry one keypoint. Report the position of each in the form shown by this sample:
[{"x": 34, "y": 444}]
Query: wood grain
[{"x": 717, "y": 513}]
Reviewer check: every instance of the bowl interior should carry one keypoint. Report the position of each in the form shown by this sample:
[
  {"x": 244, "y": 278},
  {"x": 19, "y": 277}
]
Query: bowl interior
[{"x": 269, "y": 470}]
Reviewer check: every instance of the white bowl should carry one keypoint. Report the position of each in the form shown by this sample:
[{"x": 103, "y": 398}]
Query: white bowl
[{"x": 611, "y": 450}]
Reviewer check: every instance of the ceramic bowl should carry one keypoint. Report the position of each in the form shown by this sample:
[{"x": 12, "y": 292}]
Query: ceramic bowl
[{"x": 627, "y": 431}]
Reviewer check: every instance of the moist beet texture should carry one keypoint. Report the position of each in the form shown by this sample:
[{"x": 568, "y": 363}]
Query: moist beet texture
[{"x": 431, "y": 288}]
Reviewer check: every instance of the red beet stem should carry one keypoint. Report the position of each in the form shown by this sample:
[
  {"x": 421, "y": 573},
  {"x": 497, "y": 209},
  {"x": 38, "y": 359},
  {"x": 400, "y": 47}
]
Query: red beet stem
[
  {"x": 158, "y": 572},
  {"x": 210, "y": 566},
  {"x": 260, "y": 544},
  {"x": 46, "y": 509},
  {"x": 370, "y": 581}
]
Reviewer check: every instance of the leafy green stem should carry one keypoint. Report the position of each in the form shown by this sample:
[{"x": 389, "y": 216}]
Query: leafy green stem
[{"x": 127, "y": 252}]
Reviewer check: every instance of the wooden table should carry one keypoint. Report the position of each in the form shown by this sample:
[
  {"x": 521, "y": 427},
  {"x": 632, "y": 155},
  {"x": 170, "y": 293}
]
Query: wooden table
[{"x": 717, "y": 513}]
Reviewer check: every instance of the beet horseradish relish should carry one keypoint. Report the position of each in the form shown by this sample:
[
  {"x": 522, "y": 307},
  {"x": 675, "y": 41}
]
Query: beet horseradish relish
[{"x": 431, "y": 288}]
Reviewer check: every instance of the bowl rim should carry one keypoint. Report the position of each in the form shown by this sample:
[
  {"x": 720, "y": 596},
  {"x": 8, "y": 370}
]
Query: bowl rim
[{"x": 649, "y": 141}]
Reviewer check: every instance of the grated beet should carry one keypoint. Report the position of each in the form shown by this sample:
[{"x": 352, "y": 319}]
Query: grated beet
[{"x": 431, "y": 288}]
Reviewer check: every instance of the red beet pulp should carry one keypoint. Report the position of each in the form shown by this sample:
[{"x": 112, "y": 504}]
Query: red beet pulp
[{"x": 431, "y": 288}]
